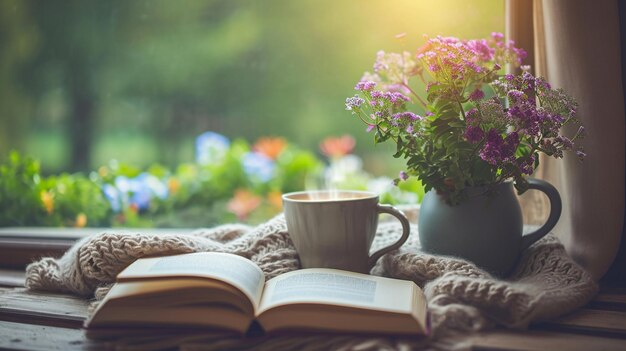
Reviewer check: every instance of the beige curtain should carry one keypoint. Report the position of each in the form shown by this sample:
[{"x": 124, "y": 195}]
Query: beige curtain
[{"x": 575, "y": 45}]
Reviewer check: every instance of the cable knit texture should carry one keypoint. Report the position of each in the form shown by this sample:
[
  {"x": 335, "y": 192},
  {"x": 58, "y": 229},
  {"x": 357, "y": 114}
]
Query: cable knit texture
[{"x": 461, "y": 297}]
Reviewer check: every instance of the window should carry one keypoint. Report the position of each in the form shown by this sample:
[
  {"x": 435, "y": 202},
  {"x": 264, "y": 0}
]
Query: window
[{"x": 123, "y": 92}]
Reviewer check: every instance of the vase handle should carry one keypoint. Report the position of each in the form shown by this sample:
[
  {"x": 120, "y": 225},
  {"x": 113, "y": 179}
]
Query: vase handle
[
  {"x": 406, "y": 229},
  {"x": 555, "y": 211}
]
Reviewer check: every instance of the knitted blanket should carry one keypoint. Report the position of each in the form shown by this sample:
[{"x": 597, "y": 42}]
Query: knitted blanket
[{"x": 461, "y": 297}]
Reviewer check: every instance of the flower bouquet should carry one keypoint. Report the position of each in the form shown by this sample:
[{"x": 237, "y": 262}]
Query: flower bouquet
[{"x": 458, "y": 121}]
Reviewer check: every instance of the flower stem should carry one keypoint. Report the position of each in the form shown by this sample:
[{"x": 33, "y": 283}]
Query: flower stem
[
  {"x": 461, "y": 107},
  {"x": 422, "y": 102}
]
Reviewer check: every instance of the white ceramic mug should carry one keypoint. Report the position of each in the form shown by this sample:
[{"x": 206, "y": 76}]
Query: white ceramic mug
[{"x": 335, "y": 229}]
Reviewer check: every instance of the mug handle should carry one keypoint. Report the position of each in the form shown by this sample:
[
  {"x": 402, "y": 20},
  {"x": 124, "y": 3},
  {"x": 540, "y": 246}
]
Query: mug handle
[
  {"x": 406, "y": 229},
  {"x": 555, "y": 211}
]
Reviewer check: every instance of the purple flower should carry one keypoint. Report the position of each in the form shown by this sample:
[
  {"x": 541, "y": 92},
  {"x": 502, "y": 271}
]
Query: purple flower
[
  {"x": 516, "y": 95},
  {"x": 403, "y": 175},
  {"x": 477, "y": 95},
  {"x": 407, "y": 116},
  {"x": 401, "y": 88},
  {"x": 498, "y": 150},
  {"x": 510, "y": 144},
  {"x": 524, "y": 114},
  {"x": 580, "y": 154},
  {"x": 528, "y": 81},
  {"x": 519, "y": 52},
  {"x": 380, "y": 64},
  {"x": 497, "y": 36},
  {"x": 376, "y": 94},
  {"x": 365, "y": 85},
  {"x": 474, "y": 134},
  {"x": 481, "y": 49},
  {"x": 542, "y": 83},
  {"x": 564, "y": 141},
  {"x": 395, "y": 97},
  {"x": 526, "y": 117},
  {"x": 527, "y": 164},
  {"x": 354, "y": 102},
  {"x": 471, "y": 115}
]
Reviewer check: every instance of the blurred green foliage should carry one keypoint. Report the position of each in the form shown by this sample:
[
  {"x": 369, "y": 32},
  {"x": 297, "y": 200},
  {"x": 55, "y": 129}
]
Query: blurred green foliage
[
  {"x": 227, "y": 189},
  {"x": 83, "y": 82},
  {"x": 240, "y": 184},
  {"x": 27, "y": 198}
]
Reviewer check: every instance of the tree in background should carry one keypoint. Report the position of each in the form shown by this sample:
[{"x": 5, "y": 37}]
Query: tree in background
[
  {"x": 185, "y": 66},
  {"x": 138, "y": 80},
  {"x": 76, "y": 39},
  {"x": 18, "y": 40}
]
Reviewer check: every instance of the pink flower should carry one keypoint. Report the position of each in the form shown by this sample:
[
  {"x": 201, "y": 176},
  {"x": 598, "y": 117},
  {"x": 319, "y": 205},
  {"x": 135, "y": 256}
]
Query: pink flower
[
  {"x": 477, "y": 95},
  {"x": 481, "y": 49}
]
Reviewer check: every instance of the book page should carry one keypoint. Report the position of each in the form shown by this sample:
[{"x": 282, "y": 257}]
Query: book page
[
  {"x": 232, "y": 269},
  {"x": 337, "y": 287}
]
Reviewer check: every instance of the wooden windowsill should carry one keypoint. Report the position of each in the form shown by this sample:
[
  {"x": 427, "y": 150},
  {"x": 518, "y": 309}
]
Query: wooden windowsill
[
  {"x": 42, "y": 321},
  {"x": 20, "y": 246}
]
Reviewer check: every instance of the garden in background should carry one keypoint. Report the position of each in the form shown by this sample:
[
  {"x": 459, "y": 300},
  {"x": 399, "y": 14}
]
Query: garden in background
[
  {"x": 104, "y": 105},
  {"x": 229, "y": 181}
]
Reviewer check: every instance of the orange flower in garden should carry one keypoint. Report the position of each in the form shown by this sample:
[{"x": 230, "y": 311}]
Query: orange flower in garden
[
  {"x": 173, "y": 185},
  {"x": 243, "y": 203},
  {"x": 81, "y": 220},
  {"x": 47, "y": 200},
  {"x": 103, "y": 171},
  {"x": 270, "y": 146},
  {"x": 336, "y": 147},
  {"x": 275, "y": 199}
]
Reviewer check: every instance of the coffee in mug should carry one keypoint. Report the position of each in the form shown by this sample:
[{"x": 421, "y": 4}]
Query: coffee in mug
[{"x": 336, "y": 228}]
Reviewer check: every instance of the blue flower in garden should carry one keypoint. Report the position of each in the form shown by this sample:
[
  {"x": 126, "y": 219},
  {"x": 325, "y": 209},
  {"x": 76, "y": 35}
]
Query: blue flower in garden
[
  {"x": 211, "y": 147},
  {"x": 144, "y": 187},
  {"x": 112, "y": 194},
  {"x": 258, "y": 166},
  {"x": 153, "y": 184},
  {"x": 141, "y": 198},
  {"x": 124, "y": 184},
  {"x": 138, "y": 191}
]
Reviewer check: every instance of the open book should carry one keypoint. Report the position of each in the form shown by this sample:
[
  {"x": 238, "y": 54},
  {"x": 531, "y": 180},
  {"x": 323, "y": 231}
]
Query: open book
[{"x": 228, "y": 292}]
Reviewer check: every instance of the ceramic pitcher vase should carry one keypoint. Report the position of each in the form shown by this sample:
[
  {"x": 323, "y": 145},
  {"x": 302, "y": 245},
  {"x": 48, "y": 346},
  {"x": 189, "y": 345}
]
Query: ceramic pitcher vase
[{"x": 486, "y": 228}]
